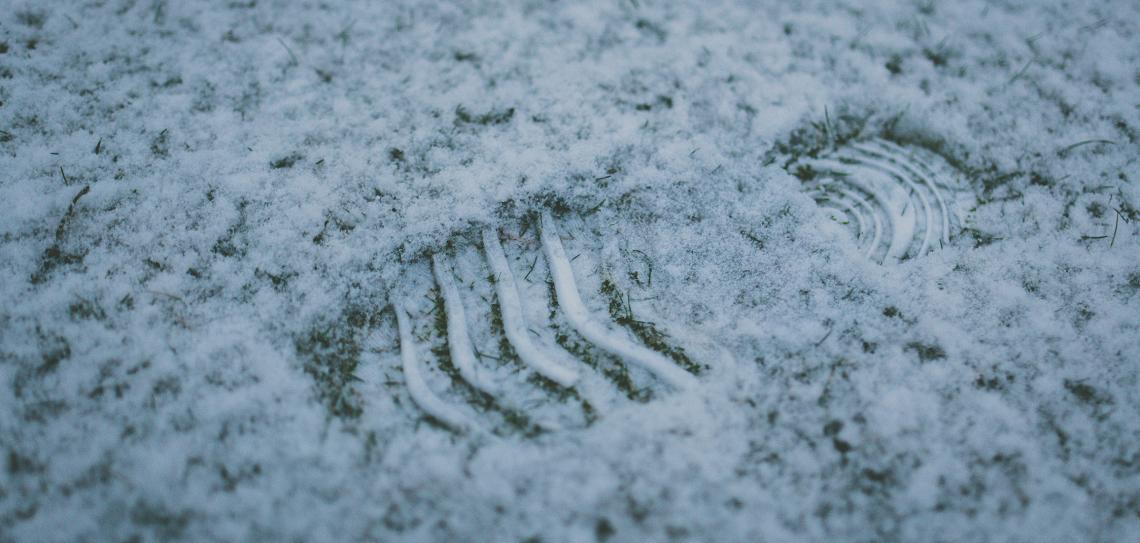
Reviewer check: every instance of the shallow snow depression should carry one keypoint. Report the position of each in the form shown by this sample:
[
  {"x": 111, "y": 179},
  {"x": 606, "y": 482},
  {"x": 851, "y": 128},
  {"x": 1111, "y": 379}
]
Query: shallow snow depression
[{"x": 603, "y": 271}]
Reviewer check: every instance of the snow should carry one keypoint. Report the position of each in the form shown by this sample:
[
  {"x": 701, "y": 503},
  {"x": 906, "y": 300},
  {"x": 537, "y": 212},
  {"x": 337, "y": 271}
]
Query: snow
[{"x": 202, "y": 346}]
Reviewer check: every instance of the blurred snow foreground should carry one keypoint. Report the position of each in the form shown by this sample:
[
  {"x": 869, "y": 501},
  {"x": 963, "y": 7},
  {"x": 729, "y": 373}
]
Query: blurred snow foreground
[{"x": 615, "y": 271}]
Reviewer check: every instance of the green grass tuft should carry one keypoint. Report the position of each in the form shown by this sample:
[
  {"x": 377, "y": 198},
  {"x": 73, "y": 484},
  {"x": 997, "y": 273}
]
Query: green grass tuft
[
  {"x": 331, "y": 352},
  {"x": 622, "y": 313},
  {"x": 926, "y": 351}
]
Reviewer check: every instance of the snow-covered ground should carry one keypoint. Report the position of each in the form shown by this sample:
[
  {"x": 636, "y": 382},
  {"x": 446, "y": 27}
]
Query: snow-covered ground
[{"x": 212, "y": 208}]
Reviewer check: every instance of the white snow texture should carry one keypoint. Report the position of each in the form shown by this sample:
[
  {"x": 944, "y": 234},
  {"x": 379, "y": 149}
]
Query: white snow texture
[{"x": 214, "y": 208}]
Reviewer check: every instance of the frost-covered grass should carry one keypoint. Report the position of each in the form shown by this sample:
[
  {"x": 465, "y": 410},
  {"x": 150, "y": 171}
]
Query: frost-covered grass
[{"x": 211, "y": 207}]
